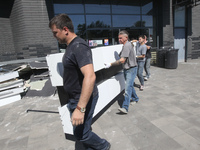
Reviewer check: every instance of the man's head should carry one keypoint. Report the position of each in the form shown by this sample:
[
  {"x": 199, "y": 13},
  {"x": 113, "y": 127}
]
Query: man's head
[
  {"x": 141, "y": 39},
  {"x": 61, "y": 25},
  {"x": 123, "y": 36}
]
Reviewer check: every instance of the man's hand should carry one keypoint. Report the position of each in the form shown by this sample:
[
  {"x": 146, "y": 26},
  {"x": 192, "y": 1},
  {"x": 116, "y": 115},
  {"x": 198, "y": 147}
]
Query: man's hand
[
  {"x": 107, "y": 65},
  {"x": 77, "y": 117},
  {"x": 148, "y": 47}
]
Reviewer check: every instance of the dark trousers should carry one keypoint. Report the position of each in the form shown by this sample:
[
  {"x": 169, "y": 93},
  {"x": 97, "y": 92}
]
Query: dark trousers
[{"x": 83, "y": 132}]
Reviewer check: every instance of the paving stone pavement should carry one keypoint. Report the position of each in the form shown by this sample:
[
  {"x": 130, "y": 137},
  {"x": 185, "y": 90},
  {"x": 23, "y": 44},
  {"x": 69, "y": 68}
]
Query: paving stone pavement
[{"x": 167, "y": 117}]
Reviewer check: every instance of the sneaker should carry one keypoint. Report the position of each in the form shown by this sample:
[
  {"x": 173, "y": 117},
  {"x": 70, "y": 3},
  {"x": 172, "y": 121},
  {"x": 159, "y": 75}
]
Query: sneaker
[
  {"x": 123, "y": 110},
  {"x": 141, "y": 87},
  {"x": 145, "y": 79},
  {"x": 133, "y": 102}
]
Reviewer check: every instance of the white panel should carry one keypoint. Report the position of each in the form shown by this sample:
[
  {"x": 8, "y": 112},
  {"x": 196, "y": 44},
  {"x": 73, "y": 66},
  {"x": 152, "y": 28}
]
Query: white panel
[
  {"x": 9, "y": 100},
  {"x": 8, "y": 76},
  {"x": 108, "y": 90},
  {"x": 65, "y": 118},
  {"x": 11, "y": 84},
  {"x": 54, "y": 63},
  {"x": 180, "y": 44},
  {"x": 100, "y": 56},
  {"x": 103, "y": 55},
  {"x": 11, "y": 92}
]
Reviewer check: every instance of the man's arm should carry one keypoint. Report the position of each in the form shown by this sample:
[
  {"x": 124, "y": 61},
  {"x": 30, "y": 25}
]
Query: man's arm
[
  {"x": 122, "y": 60},
  {"x": 87, "y": 89},
  {"x": 141, "y": 56},
  {"x": 119, "y": 62},
  {"x": 148, "y": 47}
]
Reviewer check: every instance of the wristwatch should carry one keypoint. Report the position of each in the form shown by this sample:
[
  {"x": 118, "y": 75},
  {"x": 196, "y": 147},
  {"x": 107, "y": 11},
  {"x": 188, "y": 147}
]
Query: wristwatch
[{"x": 81, "y": 109}]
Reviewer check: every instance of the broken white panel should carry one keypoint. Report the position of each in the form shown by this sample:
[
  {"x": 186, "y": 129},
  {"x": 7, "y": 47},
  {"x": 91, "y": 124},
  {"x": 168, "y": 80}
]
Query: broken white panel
[
  {"x": 108, "y": 90},
  {"x": 100, "y": 56},
  {"x": 38, "y": 85},
  {"x": 65, "y": 119},
  {"x": 11, "y": 99},
  {"x": 8, "y": 76},
  {"x": 2, "y": 65},
  {"x": 11, "y": 92},
  {"x": 11, "y": 84}
]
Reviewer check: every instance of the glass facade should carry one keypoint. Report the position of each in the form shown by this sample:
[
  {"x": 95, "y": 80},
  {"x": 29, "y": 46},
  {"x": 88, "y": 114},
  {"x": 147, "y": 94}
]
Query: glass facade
[
  {"x": 179, "y": 19},
  {"x": 100, "y": 20}
]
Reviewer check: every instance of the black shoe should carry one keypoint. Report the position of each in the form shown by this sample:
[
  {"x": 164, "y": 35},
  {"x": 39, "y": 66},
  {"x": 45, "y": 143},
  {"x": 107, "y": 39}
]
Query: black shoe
[{"x": 109, "y": 146}]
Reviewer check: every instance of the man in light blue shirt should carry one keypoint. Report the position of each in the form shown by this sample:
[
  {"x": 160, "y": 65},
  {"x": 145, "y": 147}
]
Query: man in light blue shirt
[{"x": 141, "y": 52}]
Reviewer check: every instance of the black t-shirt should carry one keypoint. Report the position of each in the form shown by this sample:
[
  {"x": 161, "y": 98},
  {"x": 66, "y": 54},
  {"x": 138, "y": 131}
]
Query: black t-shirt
[
  {"x": 77, "y": 55},
  {"x": 148, "y": 53}
]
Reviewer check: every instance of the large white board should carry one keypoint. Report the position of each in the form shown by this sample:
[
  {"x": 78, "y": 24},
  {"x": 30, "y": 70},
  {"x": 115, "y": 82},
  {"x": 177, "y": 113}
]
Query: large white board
[
  {"x": 108, "y": 90},
  {"x": 100, "y": 56}
]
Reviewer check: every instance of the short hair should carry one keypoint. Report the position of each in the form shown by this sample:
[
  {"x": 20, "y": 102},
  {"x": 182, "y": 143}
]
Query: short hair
[
  {"x": 141, "y": 36},
  {"x": 61, "y": 21},
  {"x": 124, "y": 32}
]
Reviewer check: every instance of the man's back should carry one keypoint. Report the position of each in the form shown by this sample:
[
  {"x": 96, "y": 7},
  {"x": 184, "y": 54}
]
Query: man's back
[{"x": 129, "y": 53}]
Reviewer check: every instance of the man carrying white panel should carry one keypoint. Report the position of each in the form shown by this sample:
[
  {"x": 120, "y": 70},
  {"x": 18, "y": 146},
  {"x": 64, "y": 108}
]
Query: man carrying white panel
[
  {"x": 79, "y": 82},
  {"x": 128, "y": 59}
]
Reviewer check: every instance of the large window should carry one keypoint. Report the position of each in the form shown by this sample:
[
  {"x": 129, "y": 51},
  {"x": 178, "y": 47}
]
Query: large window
[
  {"x": 96, "y": 8},
  {"x": 179, "y": 20},
  {"x": 125, "y": 9},
  {"x": 104, "y": 19},
  {"x": 98, "y": 21},
  {"x": 147, "y": 21},
  {"x": 68, "y": 8},
  {"x": 126, "y": 21},
  {"x": 147, "y": 7},
  {"x": 79, "y": 23}
]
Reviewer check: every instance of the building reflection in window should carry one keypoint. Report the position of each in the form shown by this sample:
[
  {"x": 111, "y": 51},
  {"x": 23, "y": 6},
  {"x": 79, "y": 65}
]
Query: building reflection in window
[
  {"x": 68, "y": 8},
  {"x": 125, "y": 9},
  {"x": 100, "y": 35},
  {"x": 125, "y": 20},
  {"x": 98, "y": 21},
  {"x": 148, "y": 21},
  {"x": 78, "y": 20},
  {"x": 147, "y": 7},
  {"x": 95, "y": 20},
  {"x": 96, "y": 8}
]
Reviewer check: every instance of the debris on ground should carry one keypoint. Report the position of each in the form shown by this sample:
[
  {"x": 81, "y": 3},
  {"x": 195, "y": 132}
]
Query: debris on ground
[{"x": 24, "y": 80}]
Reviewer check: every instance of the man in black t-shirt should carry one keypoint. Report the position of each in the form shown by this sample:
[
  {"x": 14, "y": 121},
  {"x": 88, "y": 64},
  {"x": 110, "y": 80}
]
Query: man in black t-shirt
[{"x": 79, "y": 82}]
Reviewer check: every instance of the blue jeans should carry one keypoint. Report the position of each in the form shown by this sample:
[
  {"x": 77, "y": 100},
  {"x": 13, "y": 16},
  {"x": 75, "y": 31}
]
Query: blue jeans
[
  {"x": 130, "y": 93},
  {"x": 147, "y": 67},
  {"x": 140, "y": 71},
  {"x": 83, "y": 132}
]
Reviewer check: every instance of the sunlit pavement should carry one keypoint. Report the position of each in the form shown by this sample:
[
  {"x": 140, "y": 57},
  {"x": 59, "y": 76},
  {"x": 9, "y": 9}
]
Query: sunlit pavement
[{"x": 167, "y": 117}]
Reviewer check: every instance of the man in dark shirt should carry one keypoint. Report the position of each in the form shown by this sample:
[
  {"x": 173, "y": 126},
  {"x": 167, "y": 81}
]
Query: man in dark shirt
[
  {"x": 148, "y": 59},
  {"x": 79, "y": 82}
]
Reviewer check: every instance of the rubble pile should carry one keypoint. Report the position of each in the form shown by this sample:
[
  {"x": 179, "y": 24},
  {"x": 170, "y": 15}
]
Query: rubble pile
[{"x": 24, "y": 80}]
